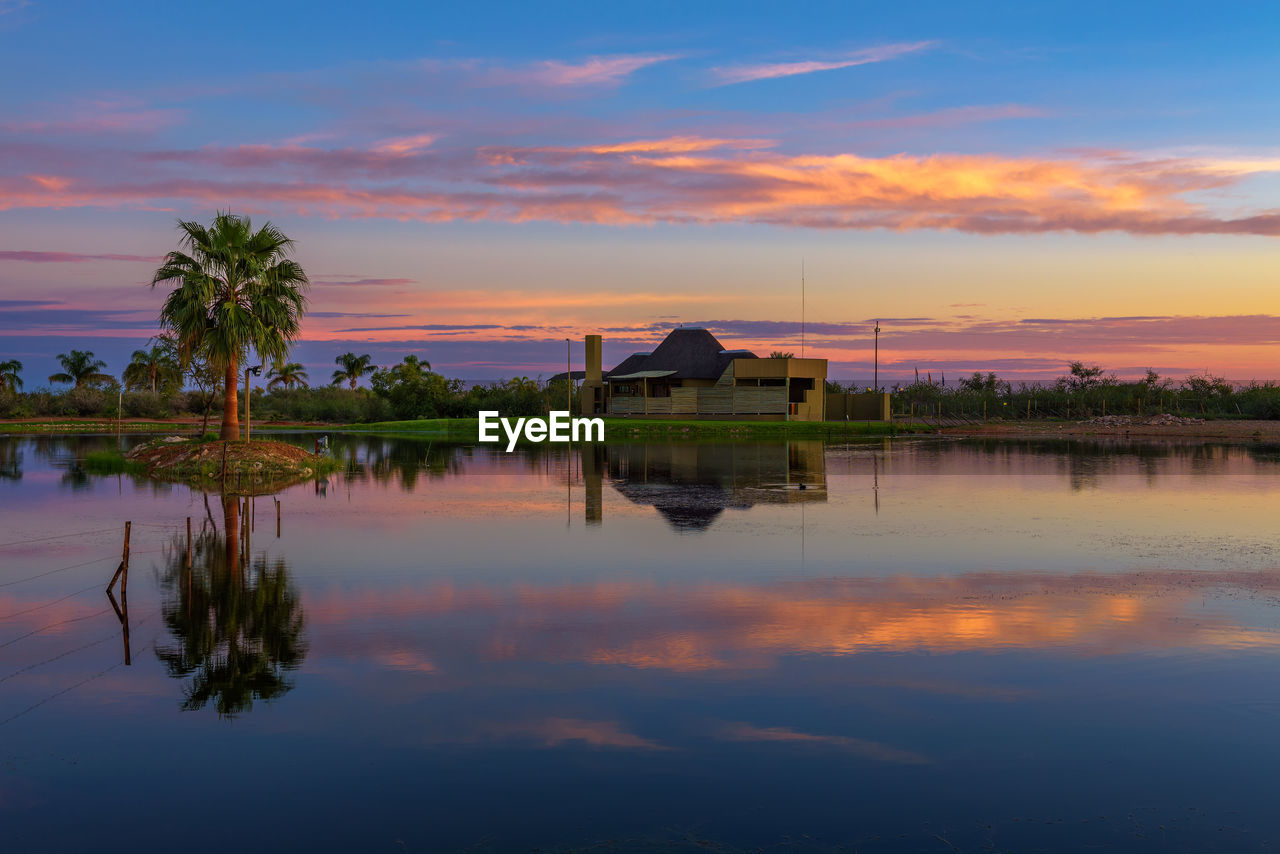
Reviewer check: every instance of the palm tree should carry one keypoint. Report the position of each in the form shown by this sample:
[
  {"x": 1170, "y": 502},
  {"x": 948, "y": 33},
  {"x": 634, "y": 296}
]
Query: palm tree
[
  {"x": 81, "y": 368},
  {"x": 286, "y": 374},
  {"x": 150, "y": 368},
  {"x": 9, "y": 375},
  {"x": 237, "y": 625},
  {"x": 352, "y": 368},
  {"x": 236, "y": 288}
]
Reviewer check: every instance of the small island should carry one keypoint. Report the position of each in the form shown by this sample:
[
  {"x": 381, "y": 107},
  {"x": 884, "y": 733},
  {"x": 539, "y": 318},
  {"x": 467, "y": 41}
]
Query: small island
[{"x": 232, "y": 468}]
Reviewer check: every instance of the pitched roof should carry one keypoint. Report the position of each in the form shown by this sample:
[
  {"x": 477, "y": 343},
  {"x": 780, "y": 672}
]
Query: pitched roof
[
  {"x": 689, "y": 352},
  {"x": 628, "y": 365}
]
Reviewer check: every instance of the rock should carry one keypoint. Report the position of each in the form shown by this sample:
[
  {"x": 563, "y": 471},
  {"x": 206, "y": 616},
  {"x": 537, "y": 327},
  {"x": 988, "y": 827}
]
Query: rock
[{"x": 1165, "y": 420}]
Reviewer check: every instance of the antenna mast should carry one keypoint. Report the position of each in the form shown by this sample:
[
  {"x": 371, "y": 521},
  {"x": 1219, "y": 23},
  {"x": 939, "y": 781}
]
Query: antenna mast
[{"x": 801, "y": 308}]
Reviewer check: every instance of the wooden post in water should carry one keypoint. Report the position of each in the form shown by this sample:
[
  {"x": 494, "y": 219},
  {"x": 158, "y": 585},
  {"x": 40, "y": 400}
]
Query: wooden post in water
[
  {"x": 122, "y": 609},
  {"x": 124, "y": 560},
  {"x": 188, "y": 543},
  {"x": 277, "y": 518}
]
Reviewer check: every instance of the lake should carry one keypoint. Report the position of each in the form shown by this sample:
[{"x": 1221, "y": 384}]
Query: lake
[{"x": 908, "y": 645}]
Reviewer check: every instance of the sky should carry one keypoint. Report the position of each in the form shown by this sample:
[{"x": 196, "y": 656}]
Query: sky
[{"x": 1006, "y": 187}]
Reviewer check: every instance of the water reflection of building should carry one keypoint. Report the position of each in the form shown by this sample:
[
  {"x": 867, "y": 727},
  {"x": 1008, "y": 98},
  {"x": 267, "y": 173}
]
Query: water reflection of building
[{"x": 692, "y": 484}]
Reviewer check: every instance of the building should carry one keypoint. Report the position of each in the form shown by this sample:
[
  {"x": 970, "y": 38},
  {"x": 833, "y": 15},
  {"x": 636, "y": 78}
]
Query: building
[
  {"x": 692, "y": 375},
  {"x": 691, "y": 484}
]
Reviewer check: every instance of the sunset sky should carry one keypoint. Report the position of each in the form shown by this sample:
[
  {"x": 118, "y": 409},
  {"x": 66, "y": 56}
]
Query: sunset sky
[{"x": 1006, "y": 186}]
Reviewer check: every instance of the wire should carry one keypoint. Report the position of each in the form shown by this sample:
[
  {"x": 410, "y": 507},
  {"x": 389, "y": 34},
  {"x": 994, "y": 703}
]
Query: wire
[
  {"x": 35, "y": 706},
  {"x": 94, "y": 586},
  {"x": 84, "y": 681},
  {"x": 61, "y": 655},
  {"x": 54, "y": 625},
  {"x": 60, "y": 569},
  {"x": 58, "y": 537}
]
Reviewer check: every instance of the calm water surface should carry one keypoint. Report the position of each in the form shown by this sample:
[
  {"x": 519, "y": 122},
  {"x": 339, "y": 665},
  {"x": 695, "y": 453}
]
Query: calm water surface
[{"x": 911, "y": 646}]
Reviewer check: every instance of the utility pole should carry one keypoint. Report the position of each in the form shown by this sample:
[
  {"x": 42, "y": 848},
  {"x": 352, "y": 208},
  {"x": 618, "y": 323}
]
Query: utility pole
[
  {"x": 801, "y": 308},
  {"x": 876, "y": 369},
  {"x": 568, "y": 373}
]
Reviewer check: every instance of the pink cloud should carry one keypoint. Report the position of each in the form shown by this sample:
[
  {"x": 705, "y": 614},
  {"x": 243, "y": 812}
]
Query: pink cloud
[
  {"x": 767, "y": 71},
  {"x": 97, "y": 117},
  {"x": 405, "y": 144},
  {"x": 554, "y": 732},
  {"x": 679, "y": 179},
  {"x": 594, "y": 71},
  {"x": 67, "y": 257},
  {"x": 857, "y": 746}
]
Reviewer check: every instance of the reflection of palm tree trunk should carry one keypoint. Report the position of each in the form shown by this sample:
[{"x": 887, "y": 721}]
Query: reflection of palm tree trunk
[{"x": 231, "y": 530}]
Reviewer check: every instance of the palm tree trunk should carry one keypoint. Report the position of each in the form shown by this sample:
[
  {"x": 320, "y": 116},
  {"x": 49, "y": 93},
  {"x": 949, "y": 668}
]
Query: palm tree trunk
[
  {"x": 231, "y": 527},
  {"x": 231, "y": 402}
]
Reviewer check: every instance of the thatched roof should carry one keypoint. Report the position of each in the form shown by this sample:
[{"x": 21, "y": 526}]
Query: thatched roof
[
  {"x": 628, "y": 365},
  {"x": 689, "y": 352}
]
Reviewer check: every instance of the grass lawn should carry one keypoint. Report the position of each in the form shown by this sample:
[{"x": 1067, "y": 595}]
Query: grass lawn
[{"x": 70, "y": 427}]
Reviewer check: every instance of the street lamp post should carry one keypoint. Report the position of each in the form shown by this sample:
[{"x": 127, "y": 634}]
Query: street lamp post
[
  {"x": 256, "y": 370},
  {"x": 876, "y": 369}
]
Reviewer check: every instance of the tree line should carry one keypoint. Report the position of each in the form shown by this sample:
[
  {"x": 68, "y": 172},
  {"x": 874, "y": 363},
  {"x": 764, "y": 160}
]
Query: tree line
[
  {"x": 156, "y": 384},
  {"x": 235, "y": 290},
  {"x": 1088, "y": 391}
]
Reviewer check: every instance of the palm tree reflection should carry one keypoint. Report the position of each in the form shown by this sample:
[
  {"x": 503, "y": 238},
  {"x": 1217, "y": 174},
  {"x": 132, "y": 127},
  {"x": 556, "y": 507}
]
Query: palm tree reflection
[{"x": 236, "y": 625}]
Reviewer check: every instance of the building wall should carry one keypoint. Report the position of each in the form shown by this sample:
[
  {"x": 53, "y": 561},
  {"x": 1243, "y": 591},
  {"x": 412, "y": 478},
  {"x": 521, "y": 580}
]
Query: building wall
[
  {"x": 738, "y": 393},
  {"x": 865, "y": 406}
]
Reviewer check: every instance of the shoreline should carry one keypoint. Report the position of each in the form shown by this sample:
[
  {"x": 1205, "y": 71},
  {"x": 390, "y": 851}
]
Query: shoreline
[{"x": 620, "y": 429}]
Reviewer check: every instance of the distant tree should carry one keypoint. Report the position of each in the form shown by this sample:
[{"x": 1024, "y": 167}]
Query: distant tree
[
  {"x": 1082, "y": 377},
  {"x": 236, "y": 289},
  {"x": 1153, "y": 381},
  {"x": 80, "y": 368},
  {"x": 988, "y": 384},
  {"x": 413, "y": 391},
  {"x": 1207, "y": 386},
  {"x": 152, "y": 369},
  {"x": 779, "y": 354},
  {"x": 287, "y": 375},
  {"x": 352, "y": 367},
  {"x": 10, "y": 375}
]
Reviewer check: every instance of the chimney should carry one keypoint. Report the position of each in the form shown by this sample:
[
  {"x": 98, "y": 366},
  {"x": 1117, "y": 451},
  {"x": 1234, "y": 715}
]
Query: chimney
[{"x": 595, "y": 371}]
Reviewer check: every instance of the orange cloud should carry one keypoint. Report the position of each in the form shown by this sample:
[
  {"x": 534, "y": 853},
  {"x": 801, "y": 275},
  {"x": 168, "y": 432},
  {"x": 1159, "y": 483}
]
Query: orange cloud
[
  {"x": 405, "y": 144},
  {"x": 689, "y": 180},
  {"x": 710, "y": 627}
]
